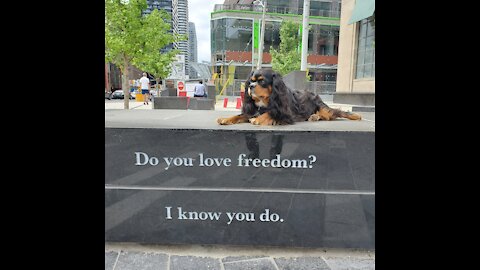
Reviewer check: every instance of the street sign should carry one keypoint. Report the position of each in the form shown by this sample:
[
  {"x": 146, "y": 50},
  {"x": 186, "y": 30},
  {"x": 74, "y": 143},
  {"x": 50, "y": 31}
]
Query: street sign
[{"x": 180, "y": 86}]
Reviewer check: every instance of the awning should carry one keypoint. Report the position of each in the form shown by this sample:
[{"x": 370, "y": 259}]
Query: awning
[{"x": 363, "y": 9}]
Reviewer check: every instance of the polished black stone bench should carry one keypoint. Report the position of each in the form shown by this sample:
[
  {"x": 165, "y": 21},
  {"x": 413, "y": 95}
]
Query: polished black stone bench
[{"x": 176, "y": 177}]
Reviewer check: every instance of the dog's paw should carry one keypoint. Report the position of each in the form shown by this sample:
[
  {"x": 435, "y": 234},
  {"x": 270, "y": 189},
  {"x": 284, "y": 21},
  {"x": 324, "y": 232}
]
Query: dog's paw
[
  {"x": 314, "y": 117},
  {"x": 262, "y": 120},
  {"x": 354, "y": 116},
  {"x": 254, "y": 121},
  {"x": 224, "y": 121}
]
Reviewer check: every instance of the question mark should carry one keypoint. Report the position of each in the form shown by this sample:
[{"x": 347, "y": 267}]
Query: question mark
[{"x": 313, "y": 159}]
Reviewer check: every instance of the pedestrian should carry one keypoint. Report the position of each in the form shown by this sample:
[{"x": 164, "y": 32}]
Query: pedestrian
[
  {"x": 200, "y": 90},
  {"x": 145, "y": 84}
]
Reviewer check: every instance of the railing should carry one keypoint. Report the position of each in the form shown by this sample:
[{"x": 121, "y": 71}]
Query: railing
[
  {"x": 278, "y": 9},
  {"x": 317, "y": 87},
  {"x": 233, "y": 89},
  {"x": 322, "y": 87}
]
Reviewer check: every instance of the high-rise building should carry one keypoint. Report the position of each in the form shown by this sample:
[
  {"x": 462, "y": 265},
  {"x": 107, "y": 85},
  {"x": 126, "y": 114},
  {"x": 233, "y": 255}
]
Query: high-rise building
[
  {"x": 168, "y": 7},
  {"x": 159, "y": 4},
  {"x": 192, "y": 48},
  {"x": 180, "y": 27}
]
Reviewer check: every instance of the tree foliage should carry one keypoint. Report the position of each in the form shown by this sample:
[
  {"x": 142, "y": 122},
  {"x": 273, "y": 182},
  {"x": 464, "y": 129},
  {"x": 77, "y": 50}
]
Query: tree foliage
[
  {"x": 132, "y": 38},
  {"x": 151, "y": 60},
  {"x": 288, "y": 57}
]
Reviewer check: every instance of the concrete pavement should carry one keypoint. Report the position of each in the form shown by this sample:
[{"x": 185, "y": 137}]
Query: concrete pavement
[
  {"x": 196, "y": 257},
  {"x": 144, "y": 116},
  {"x": 138, "y": 105},
  {"x": 231, "y": 105}
]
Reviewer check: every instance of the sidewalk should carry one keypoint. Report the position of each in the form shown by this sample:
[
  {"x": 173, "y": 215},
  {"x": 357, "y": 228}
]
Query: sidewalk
[
  {"x": 133, "y": 105},
  {"x": 231, "y": 105},
  {"x": 196, "y": 257}
]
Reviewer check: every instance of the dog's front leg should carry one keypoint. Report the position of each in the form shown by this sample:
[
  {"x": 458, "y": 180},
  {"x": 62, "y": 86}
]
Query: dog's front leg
[
  {"x": 263, "y": 119},
  {"x": 237, "y": 119}
]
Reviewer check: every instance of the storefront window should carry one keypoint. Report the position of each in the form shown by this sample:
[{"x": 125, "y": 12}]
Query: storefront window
[{"x": 365, "y": 67}]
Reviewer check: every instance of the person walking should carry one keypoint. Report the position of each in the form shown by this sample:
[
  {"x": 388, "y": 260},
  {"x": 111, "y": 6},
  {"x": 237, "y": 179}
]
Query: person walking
[{"x": 145, "y": 86}]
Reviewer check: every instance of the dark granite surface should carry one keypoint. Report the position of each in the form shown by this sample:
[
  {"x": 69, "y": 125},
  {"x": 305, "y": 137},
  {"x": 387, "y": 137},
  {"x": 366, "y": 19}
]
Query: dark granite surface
[
  {"x": 291, "y": 160},
  {"x": 239, "y": 218},
  {"x": 317, "y": 181}
]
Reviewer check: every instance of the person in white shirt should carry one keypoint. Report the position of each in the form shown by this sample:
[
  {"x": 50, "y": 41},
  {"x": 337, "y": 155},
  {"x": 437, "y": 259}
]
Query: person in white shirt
[
  {"x": 200, "y": 90},
  {"x": 145, "y": 86}
]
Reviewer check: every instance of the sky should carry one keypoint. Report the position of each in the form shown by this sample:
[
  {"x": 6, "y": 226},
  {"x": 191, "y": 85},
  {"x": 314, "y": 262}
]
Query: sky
[{"x": 199, "y": 13}]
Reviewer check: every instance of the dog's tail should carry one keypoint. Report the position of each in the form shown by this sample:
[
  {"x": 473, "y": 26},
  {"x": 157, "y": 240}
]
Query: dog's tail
[{"x": 324, "y": 112}]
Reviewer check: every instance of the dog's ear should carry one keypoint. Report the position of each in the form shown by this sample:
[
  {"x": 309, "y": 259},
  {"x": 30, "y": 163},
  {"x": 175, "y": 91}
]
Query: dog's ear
[
  {"x": 281, "y": 100},
  {"x": 248, "y": 107},
  {"x": 277, "y": 82}
]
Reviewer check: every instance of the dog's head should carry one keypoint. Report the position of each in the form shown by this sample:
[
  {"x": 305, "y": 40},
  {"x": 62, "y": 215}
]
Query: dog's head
[
  {"x": 265, "y": 89},
  {"x": 259, "y": 86}
]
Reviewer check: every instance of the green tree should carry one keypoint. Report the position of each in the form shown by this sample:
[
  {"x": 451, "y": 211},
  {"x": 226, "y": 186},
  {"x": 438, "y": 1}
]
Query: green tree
[
  {"x": 288, "y": 57},
  {"x": 135, "y": 39},
  {"x": 158, "y": 65}
]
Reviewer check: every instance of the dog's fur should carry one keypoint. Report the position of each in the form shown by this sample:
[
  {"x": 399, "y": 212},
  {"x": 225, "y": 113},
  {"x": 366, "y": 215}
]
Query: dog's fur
[{"x": 268, "y": 101}]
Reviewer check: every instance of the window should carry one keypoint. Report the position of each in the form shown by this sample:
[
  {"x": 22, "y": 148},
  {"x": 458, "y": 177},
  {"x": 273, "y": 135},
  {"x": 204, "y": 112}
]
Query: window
[
  {"x": 231, "y": 34},
  {"x": 323, "y": 39},
  {"x": 365, "y": 67},
  {"x": 272, "y": 36}
]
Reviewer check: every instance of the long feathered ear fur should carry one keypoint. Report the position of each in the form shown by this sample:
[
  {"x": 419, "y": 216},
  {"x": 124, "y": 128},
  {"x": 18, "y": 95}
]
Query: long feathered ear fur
[
  {"x": 281, "y": 100},
  {"x": 248, "y": 107}
]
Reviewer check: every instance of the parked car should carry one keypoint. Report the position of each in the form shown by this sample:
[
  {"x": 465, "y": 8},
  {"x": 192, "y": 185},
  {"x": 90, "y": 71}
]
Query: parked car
[{"x": 118, "y": 94}]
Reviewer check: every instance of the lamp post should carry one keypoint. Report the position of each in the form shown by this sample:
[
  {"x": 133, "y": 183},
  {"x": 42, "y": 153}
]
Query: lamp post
[
  {"x": 262, "y": 31},
  {"x": 306, "y": 13}
]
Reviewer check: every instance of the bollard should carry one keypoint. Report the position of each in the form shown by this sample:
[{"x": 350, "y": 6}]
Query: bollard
[
  {"x": 225, "y": 101},
  {"x": 239, "y": 103}
]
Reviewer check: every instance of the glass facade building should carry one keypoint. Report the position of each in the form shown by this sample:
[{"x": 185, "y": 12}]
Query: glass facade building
[
  {"x": 326, "y": 8},
  {"x": 235, "y": 31},
  {"x": 232, "y": 34}
]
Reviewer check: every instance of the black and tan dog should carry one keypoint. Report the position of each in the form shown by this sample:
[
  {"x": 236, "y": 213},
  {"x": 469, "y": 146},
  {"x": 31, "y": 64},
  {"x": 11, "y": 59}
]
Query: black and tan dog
[{"x": 268, "y": 101}]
